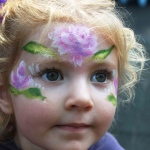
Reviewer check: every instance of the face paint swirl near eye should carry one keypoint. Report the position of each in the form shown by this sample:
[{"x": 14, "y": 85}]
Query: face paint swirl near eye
[
  {"x": 21, "y": 83},
  {"x": 34, "y": 69},
  {"x": 76, "y": 40}
]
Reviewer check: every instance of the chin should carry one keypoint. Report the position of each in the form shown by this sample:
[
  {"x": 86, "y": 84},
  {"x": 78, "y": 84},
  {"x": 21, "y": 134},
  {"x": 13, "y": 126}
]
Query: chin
[
  {"x": 76, "y": 147},
  {"x": 72, "y": 146}
]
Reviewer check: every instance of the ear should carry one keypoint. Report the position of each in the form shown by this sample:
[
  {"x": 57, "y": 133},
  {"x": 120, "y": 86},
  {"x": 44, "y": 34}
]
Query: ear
[{"x": 5, "y": 101}]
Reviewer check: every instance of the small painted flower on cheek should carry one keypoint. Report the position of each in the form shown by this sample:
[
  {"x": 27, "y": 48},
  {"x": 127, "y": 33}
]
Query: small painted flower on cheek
[
  {"x": 22, "y": 84},
  {"x": 21, "y": 80},
  {"x": 76, "y": 40}
]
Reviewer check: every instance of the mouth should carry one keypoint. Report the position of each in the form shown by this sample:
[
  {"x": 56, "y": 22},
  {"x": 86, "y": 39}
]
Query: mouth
[{"x": 73, "y": 127}]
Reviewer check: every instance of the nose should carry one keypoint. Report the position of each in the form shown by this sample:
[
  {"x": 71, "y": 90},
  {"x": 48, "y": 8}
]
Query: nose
[{"x": 79, "y": 97}]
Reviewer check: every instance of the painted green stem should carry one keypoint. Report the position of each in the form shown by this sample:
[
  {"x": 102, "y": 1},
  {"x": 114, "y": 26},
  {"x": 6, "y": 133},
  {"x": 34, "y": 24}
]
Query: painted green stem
[{"x": 30, "y": 93}]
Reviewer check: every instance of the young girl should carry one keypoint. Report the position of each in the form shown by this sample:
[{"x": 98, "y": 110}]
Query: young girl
[{"x": 62, "y": 64}]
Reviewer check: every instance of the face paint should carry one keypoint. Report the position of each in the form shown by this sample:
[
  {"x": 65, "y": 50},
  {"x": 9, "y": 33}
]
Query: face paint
[
  {"x": 116, "y": 85},
  {"x": 112, "y": 99},
  {"x": 37, "y": 69},
  {"x": 20, "y": 83},
  {"x": 21, "y": 80},
  {"x": 34, "y": 69},
  {"x": 35, "y": 48},
  {"x": 76, "y": 40},
  {"x": 102, "y": 54},
  {"x": 31, "y": 69}
]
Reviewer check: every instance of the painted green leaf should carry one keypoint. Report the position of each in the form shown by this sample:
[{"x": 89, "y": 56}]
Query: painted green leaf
[
  {"x": 31, "y": 93},
  {"x": 102, "y": 54},
  {"x": 14, "y": 90},
  {"x": 112, "y": 99},
  {"x": 35, "y": 48}
]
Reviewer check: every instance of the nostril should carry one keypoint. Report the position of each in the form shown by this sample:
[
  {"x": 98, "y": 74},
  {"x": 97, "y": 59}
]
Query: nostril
[
  {"x": 74, "y": 106},
  {"x": 88, "y": 108},
  {"x": 82, "y": 104}
]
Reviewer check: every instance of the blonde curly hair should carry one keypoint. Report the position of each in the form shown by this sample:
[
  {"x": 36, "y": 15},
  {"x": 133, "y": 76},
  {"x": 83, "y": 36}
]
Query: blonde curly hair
[{"x": 21, "y": 17}]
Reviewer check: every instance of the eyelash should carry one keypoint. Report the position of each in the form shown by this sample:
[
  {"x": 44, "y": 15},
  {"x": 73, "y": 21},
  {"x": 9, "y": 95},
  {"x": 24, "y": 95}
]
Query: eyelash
[
  {"x": 109, "y": 74},
  {"x": 47, "y": 70}
]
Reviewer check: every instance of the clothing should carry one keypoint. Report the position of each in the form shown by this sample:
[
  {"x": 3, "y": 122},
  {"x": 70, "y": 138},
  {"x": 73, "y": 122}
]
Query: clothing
[
  {"x": 10, "y": 145},
  {"x": 107, "y": 142}
]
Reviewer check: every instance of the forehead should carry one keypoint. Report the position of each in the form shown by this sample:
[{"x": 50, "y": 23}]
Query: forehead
[
  {"x": 44, "y": 33},
  {"x": 73, "y": 43}
]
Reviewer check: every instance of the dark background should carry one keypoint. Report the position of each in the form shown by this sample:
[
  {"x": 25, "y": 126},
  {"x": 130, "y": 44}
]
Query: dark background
[{"x": 132, "y": 126}]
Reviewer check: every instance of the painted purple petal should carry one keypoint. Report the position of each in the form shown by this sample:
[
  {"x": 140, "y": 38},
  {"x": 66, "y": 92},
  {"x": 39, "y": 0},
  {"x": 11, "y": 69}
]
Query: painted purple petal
[
  {"x": 76, "y": 40},
  {"x": 64, "y": 38},
  {"x": 26, "y": 82},
  {"x": 116, "y": 84},
  {"x": 77, "y": 60},
  {"x": 21, "y": 80},
  {"x": 21, "y": 71}
]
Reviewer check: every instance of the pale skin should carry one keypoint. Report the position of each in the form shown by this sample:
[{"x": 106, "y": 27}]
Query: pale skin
[{"x": 75, "y": 113}]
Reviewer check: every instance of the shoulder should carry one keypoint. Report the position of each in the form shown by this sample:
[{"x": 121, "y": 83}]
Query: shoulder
[
  {"x": 9, "y": 145},
  {"x": 107, "y": 142}
]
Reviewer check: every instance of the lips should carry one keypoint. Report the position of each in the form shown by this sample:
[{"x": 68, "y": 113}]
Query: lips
[{"x": 73, "y": 127}]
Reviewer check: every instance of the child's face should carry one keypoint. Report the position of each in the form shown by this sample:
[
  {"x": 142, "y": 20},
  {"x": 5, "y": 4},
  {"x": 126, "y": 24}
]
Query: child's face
[{"x": 64, "y": 99}]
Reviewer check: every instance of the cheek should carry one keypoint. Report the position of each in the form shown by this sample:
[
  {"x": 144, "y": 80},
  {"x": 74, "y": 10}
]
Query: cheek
[
  {"x": 103, "y": 94},
  {"x": 34, "y": 116},
  {"x": 104, "y": 110},
  {"x": 111, "y": 94},
  {"x": 104, "y": 115},
  {"x": 109, "y": 90}
]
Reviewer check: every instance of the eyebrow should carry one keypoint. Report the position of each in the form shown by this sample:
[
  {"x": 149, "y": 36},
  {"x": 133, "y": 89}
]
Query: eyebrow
[
  {"x": 51, "y": 61},
  {"x": 104, "y": 64},
  {"x": 36, "y": 48}
]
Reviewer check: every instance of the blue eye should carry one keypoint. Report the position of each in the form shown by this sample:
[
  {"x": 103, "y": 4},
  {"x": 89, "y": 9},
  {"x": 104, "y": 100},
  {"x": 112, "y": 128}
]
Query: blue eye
[
  {"x": 101, "y": 76},
  {"x": 52, "y": 75}
]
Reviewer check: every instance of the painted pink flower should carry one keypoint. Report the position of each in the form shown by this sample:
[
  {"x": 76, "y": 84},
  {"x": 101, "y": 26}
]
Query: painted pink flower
[
  {"x": 76, "y": 40},
  {"x": 21, "y": 80},
  {"x": 116, "y": 85}
]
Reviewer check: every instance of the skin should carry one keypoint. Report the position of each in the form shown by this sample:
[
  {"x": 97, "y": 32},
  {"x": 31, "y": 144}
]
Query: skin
[{"x": 75, "y": 113}]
